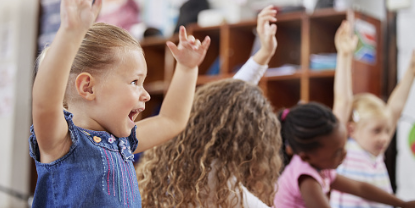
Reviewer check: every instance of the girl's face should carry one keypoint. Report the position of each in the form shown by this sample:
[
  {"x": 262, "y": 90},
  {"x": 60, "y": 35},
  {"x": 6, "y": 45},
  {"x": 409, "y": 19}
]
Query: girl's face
[
  {"x": 332, "y": 150},
  {"x": 372, "y": 134},
  {"x": 121, "y": 95}
]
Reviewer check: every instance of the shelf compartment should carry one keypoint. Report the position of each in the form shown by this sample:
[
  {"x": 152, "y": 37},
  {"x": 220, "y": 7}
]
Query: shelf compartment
[
  {"x": 323, "y": 27},
  {"x": 283, "y": 93},
  {"x": 289, "y": 42},
  {"x": 321, "y": 89},
  {"x": 154, "y": 53},
  {"x": 238, "y": 48}
]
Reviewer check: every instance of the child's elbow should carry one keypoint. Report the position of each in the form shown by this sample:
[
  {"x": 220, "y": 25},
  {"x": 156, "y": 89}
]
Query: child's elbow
[{"x": 180, "y": 125}]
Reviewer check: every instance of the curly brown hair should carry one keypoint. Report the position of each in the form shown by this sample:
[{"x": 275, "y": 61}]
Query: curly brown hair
[{"x": 232, "y": 131}]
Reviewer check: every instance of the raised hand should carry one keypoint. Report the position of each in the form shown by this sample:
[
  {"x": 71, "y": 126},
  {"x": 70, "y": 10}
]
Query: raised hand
[
  {"x": 344, "y": 41},
  {"x": 266, "y": 32},
  {"x": 190, "y": 52},
  {"x": 79, "y": 14}
]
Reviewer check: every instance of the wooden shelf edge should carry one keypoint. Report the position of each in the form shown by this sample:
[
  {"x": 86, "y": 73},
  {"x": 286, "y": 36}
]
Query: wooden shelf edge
[
  {"x": 156, "y": 87},
  {"x": 295, "y": 75},
  {"x": 321, "y": 73},
  {"x": 153, "y": 41},
  {"x": 327, "y": 12},
  {"x": 204, "y": 79}
]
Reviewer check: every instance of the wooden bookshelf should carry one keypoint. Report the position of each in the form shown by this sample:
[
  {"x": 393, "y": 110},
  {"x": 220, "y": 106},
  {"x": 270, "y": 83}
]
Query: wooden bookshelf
[{"x": 299, "y": 35}]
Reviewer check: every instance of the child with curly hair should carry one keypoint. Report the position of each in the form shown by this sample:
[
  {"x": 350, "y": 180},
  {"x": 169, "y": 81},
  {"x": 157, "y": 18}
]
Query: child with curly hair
[
  {"x": 226, "y": 155},
  {"x": 316, "y": 136},
  {"x": 84, "y": 154}
]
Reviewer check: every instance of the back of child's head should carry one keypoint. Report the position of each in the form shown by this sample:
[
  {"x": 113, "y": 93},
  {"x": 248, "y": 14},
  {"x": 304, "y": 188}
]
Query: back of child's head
[
  {"x": 367, "y": 106},
  {"x": 102, "y": 48},
  {"x": 304, "y": 124},
  {"x": 232, "y": 130}
]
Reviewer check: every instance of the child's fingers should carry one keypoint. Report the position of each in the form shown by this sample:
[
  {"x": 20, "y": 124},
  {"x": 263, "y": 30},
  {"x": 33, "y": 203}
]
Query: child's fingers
[
  {"x": 355, "y": 39},
  {"x": 191, "y": 39},
  {"x": 205, "y": 43},
  {"x": 273, "y": 29},
  {"x": 271, "y": 12},
  {"x": 197, "y": 44},
  {"x": 267, "y": 17},
  {"x": 182, "y": 34},
  {"x": 340, "y": 31},
  {"x": 173, "y": 48},
  {"x": 269, "y": 9},
  {"x": 96, "y": 7}
]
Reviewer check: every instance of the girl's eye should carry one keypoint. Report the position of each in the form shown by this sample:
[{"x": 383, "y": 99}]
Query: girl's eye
[
  {"x": 377, "y": 131},
  {"x": 135, "y": 82}
]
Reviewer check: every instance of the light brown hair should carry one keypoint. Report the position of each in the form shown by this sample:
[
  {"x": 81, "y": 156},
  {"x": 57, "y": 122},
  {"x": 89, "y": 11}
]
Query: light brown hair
[
  {"x": 367, "y": 105},
  {"x": 99, "y": 51},
  {"x": 233, "y": 131}
]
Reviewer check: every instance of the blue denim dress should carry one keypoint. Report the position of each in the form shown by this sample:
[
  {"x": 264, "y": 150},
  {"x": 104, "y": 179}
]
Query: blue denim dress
[{"x": 96, "y": 172}]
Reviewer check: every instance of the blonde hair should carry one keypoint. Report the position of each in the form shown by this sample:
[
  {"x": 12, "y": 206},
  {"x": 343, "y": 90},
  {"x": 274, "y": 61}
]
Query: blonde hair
[
  {"x": 98, "y": 51},
  {"x": 233, "y": 131},
  {"x": 367, "y": 105}
]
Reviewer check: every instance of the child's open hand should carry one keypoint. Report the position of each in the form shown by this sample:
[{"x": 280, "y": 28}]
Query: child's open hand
[
  {"x": 266, "y": 32},
  {"x": 79, "y": 14},
  {"x": 344, "y": 41},
  {"x": 190, "y": 52}
]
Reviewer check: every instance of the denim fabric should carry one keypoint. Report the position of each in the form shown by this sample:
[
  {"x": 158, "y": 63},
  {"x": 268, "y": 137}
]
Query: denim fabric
[{"x": 96, "y": 172}]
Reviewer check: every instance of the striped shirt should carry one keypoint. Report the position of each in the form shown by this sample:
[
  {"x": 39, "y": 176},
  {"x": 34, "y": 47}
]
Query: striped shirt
[{"x": 360, "y": 165}]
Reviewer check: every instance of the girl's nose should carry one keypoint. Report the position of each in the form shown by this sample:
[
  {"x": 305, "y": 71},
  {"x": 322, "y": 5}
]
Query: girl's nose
[{"x": 145, "y": 97}]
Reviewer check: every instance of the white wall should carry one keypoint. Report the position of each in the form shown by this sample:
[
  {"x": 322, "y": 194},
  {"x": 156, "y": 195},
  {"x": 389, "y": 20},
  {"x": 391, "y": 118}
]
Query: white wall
[
  {"x": 19, "y": 17},
  {"x": 405, "y": 159}
]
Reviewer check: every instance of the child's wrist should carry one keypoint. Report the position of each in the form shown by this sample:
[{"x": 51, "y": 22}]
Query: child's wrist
[
  {"x": 183, "y": 67},
  {"x": 262, "y": 57},
  {"x": 345, "y": 54}
]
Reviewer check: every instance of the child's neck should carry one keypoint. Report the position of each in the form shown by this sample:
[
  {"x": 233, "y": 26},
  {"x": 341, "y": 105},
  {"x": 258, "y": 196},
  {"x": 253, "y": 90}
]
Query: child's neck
[{"x": 82, "y": 118}]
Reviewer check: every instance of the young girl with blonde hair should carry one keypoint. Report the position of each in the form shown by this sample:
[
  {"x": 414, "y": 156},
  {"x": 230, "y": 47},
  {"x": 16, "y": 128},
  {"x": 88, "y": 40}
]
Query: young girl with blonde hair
[
  {"x": 316, "y": 136},
  {"x": 228, "y": 154},
  {"x": 84, "y": 154},
  {"x": 371, "y": 126}
]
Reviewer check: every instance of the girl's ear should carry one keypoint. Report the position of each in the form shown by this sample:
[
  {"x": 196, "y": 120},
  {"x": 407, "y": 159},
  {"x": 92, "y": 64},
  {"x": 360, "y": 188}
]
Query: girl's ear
[
  {"x": 289, "y": 150},
  {"x": 351, "y": 129},
  {"x": 85, "y": 85},
  {"x": 304, "y": 156}
]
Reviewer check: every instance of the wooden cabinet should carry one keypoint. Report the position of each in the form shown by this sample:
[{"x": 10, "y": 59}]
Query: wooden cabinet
[{"x": 299, "y": 35}]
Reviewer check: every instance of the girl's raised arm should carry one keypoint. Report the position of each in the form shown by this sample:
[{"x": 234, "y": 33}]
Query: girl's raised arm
[
  {"x": 175, "y": 110},
  {"x": 397, "y": 100},
  {"x": 368, "y": 191},
  {"x": 49, "y": 86},
  {"x": 343, "y": 92},
  {"x": 255, "y": 67}
]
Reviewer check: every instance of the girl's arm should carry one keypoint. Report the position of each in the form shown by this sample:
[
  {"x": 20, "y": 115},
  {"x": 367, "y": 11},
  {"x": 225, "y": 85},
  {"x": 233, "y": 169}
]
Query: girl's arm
[
  {"x": 368, "y": 191},
  {"x": 175, "y": 110},
  {"x": 50, "y": 84},
  {"x": 397, "y": 100},
  {"x": 343, "y": 93},
  {"x": 311, "y": 193},
  {"x": 255, "y": 67}
]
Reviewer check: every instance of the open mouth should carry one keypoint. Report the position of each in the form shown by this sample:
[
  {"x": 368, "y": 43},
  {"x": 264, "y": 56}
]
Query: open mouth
[{"x": 132, "y": 114}]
